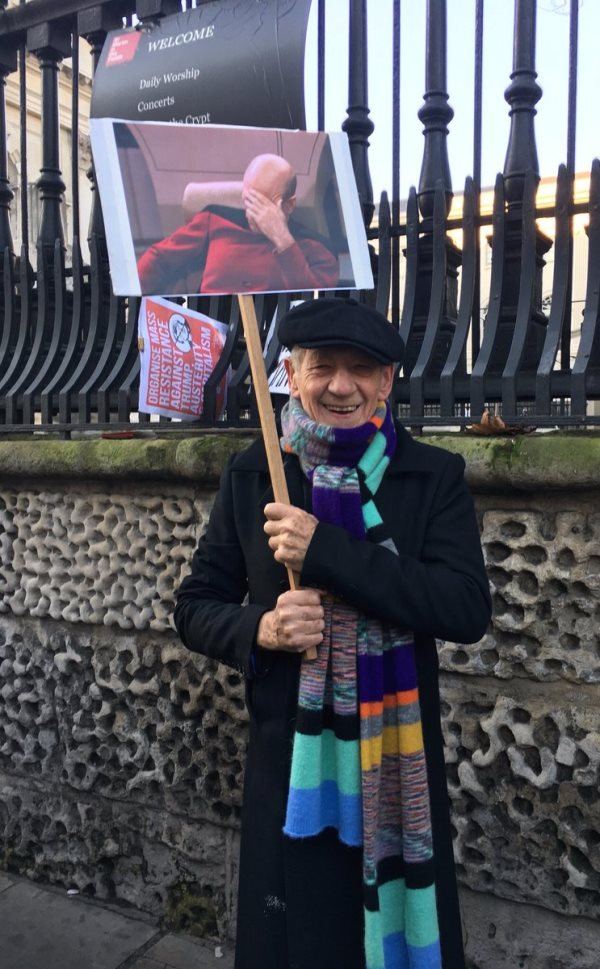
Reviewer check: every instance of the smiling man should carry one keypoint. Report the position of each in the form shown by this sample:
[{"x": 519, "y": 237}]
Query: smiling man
[{"x": 346, "y": 852}]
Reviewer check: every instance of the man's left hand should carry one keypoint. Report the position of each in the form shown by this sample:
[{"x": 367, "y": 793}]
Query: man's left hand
[{"x": 290, "y": 531}]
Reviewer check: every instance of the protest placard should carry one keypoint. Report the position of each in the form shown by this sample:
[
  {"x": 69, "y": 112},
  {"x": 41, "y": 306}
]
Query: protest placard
[
  {"x": 230, "y": 210},
  {"x": 179, "y": 350},
  {"x": 222, "y": 62},
  {"x": 218, "y": 209}
]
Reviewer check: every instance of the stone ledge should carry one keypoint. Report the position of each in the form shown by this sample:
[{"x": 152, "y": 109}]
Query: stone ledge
[
  {"x": 199, "y": 458},
  {"x": 559, "y": 460}
]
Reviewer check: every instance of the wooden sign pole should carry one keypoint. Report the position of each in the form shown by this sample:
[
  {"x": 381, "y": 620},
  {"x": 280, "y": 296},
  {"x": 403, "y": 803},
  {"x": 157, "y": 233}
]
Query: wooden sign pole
[{"x": 267, "y": 417}]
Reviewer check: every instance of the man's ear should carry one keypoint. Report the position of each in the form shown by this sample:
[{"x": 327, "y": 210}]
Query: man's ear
[
  {"x": 292, "y": 379},
  {"x": 288, "y": 205},
  {"x": 387, "y": 380}
]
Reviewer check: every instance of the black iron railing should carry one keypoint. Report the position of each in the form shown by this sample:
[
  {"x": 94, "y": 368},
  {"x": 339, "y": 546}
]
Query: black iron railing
[{"x": 68, "y": 345}]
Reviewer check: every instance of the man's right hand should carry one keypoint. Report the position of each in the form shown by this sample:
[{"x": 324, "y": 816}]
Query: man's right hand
[
  {"x": 267, "y": 216},
  {"x": 295, "y": 624}
]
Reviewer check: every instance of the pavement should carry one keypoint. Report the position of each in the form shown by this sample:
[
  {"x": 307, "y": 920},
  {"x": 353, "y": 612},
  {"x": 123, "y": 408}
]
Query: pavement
[{"x": 44, "y": 928}]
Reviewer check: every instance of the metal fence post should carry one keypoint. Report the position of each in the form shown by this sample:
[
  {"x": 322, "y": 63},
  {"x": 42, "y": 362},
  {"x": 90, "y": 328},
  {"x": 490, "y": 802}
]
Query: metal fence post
[
  {"x": 106, "y": 311},
  {"x": 93, "y": 25},
  {"x": 51, "y": 43},
  {"x": 435, "y": 114},
  {"x": 358, "y": 124},
  {"x": 8, "y": 64},
  {"x": 522, "y": 95}
]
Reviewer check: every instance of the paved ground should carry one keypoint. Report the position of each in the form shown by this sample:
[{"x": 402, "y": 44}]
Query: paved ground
[{"x": 44, "y": 928}]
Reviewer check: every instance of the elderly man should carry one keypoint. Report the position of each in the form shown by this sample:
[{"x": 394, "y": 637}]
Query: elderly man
[
  {"x": 258, "y": 250},
  {"x": 346, "y": 855}
]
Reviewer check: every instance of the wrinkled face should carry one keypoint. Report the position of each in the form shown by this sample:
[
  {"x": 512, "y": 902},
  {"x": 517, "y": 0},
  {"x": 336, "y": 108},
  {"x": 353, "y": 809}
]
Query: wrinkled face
[{"x": 339, "y": 386}]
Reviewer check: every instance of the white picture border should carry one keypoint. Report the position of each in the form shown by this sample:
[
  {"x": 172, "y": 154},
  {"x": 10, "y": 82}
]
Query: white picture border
[{"x": 109, "y": 179}]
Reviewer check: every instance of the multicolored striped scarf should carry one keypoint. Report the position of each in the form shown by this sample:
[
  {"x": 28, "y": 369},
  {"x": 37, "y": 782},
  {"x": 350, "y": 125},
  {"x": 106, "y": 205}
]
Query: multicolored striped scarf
[{"x": 358, "y": 763}]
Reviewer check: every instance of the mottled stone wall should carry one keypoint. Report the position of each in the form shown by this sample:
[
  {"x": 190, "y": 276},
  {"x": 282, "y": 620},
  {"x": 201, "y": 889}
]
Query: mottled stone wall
[
  {"x": 121, "y": 754},
  {"x": 522, "y": 708}
]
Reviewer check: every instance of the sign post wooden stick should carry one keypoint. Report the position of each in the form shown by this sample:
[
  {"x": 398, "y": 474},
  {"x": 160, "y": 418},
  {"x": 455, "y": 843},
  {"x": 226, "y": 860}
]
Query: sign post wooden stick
[{"x": 267, "y": 418}]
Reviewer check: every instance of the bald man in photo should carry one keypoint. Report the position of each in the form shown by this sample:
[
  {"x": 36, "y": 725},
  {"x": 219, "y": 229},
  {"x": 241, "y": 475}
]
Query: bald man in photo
[{"x": 258, "y": 249}]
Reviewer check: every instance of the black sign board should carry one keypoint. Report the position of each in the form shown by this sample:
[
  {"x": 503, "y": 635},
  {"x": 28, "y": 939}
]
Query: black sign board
[{"x": 235, "y": 62}]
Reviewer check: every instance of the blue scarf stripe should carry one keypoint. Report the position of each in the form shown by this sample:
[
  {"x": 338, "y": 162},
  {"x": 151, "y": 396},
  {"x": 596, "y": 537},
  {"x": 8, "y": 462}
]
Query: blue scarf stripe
[{"x": 310, "y": 811}]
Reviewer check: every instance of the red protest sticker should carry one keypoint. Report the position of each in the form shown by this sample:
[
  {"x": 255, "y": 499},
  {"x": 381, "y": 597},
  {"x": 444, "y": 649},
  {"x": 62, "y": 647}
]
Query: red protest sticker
[
  {"x": 123, "y": 48},
  {"x": 179, "y": 351}
]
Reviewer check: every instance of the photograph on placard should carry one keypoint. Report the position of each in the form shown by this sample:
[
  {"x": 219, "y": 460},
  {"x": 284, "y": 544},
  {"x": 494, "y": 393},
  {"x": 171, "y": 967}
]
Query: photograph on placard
[{"x": 218, "y": 210}]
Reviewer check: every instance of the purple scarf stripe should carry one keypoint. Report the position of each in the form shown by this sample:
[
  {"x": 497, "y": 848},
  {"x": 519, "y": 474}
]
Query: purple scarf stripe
[
  {"x": 399, "y": 670},
  {"x": 393, "y": 672},
  {"x": 350, "y": 450},
  {"x": 370, "y": 678},
  {"x": 338, "y": 508}
]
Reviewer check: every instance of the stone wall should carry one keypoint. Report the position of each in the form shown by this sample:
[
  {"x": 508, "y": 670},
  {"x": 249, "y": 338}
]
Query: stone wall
[{"x": 121, "y": 754}]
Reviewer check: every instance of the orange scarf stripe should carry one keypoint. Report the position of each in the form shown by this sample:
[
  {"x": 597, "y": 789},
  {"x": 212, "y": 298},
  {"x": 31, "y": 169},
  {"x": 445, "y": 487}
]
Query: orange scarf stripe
[
  {"x": 377, "y": 420},
  {"x": 401, "y": 699},
  {"x": 374, "y": 709}
]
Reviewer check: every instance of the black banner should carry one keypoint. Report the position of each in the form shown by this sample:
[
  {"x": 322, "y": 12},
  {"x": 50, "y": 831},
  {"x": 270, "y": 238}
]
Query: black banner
[{"x": 236, "y": 62}]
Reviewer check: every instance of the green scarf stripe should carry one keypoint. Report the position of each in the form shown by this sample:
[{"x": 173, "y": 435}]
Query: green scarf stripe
[
  {"x": 326, "y": 758},
  {"x": 392, "y": 899},
  {"x": 373, "y": 940},
  {"x": 408, "y": 910},
  {"x": 421, "y": 916},
  {"x": 373, "y": 455},
  {"x": 371, "y": 515},
  {"x": 374, "y": 479}
]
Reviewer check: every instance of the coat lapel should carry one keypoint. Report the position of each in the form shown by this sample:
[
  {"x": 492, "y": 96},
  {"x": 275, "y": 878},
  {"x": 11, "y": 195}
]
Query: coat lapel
[{"x": 295, "y": 482}]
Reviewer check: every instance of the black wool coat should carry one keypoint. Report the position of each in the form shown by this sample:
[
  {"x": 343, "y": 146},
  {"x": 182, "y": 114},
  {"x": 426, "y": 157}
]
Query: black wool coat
[{"x": 300, "y": 903}]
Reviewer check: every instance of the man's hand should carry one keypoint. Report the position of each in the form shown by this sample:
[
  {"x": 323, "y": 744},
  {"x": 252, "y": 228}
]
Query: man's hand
[
  {"x": 295, "y": 624},
  {"x": 269, "y": 218},
  {"x": 290, "y": 530}
]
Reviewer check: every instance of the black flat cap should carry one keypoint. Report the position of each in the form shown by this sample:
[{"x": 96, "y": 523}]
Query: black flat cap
[{"x": 330, "y": 322}]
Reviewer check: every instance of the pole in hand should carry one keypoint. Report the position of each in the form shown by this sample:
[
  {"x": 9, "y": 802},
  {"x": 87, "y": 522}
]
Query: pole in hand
[{"x": 267, "y": 418}]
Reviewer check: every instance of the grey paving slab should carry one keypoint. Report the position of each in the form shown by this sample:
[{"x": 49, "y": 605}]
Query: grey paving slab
[
  {"x": 45, "y": 930},
  {"x": 183, "y": 952},
  {"x": 5, "y": 882},
  {"x": 144, "y": 963}
]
